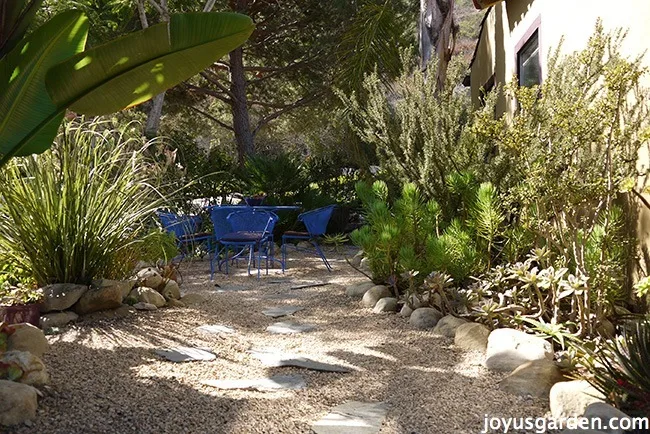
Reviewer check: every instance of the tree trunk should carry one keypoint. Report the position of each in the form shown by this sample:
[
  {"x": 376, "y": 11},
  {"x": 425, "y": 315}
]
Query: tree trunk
[
  {"x": 239, "y": 106},
  {"x": 436, "y": 31},
  {"x": 154, "y": 115}
]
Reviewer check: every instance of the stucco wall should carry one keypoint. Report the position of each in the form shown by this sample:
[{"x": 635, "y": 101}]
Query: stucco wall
[{"x": 509, "y": 22}]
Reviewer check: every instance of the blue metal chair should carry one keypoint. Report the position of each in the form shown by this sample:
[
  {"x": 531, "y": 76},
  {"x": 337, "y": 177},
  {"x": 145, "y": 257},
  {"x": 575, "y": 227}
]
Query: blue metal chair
[
  {"x": 186, "y": 229},
  {"x": 220, "y": 227},
  {"x": 316, "y": 223},
  {"x": 252, "y": 230}
]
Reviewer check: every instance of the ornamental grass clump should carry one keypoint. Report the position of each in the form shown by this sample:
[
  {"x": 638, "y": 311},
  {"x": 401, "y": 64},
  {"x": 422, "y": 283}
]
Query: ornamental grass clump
[{"x": 79, "y": 210}]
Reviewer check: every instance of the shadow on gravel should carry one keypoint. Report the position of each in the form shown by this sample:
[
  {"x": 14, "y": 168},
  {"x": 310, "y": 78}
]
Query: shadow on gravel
[{"x": 114, "y": 399}]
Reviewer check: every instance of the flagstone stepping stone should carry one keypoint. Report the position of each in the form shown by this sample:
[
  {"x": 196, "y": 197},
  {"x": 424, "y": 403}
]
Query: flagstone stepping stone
[
  {"x": 309, "y": 285},
  {"x": 288, "y": 327},
  {"x": 281, "y": 296},
  {"x": 185, "y": 354},
  {"x": 230, "y": 288},
  {"x": 352, "y": 417},
  {"x": 273, "y": 357},
  {"x": 277, "y": 312},
  {"x": 276, "y": 382},
  {"x": 216, "y": 329}
]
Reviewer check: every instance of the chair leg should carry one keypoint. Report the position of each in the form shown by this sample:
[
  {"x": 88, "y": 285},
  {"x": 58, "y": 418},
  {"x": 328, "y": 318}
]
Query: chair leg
[
  {"x": 322, "y": 255},
  {"x": 250, "y": 258},
  {"x": 283, "y": 252}
]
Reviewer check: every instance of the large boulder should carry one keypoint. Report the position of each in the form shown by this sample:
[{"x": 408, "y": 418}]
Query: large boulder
[
  {"x": 507, "y": 349},
  {"x": 61, "y": 296},
  {"x": 57, "y": 319},
  {"x": 356, "y": 259},
  {"x": 406, "y": 311},
  {"x": 96, "y": 299},
  {"x": 605, "y": 412},
  {"x": 28, "y": 338},
  {"x": 150, "y": 277},
  {"x": 386, "y": 304},
  {"x": 148, "y": 295},
  {"x": 425, "y": 318},
  {"x": 33, "y": 368},
  {"x": 447, "y": 325},
  {"x": 171, "y": 291},
  {"x": 374, "y": 294},
  {"x": 472, "y": 337},
  {"x": 18, "y": 403},
  {"x": 532, "y": 378},
  {"x": 571, "y": 398},
  {"x": 125, "y": 285},
  {"x": 192, "y": 298},
  {"x": 175, "y": 303},
  {"x": 357, "y": 290}
]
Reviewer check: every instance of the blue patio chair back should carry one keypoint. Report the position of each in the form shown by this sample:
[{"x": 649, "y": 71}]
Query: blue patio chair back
[
  {"x": 181, "y": 226},
  {"x": 316, "y": 220},
  {"x": 252, "y": 221},
  {"x": 221, "y": 225}
]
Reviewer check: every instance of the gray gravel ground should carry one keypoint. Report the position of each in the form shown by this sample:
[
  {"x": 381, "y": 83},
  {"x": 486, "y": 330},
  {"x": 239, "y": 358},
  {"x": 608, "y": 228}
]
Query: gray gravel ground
[{"x": 107, "y": 379}]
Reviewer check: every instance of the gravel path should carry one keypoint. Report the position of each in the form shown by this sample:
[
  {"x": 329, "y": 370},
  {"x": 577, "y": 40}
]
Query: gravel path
[{"x": 107, "y": 379}]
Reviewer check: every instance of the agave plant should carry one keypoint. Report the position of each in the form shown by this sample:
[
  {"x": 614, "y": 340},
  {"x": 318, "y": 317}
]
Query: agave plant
[
  {"x": 621, "y": 369},
  {"x": 47, "y": 71}
]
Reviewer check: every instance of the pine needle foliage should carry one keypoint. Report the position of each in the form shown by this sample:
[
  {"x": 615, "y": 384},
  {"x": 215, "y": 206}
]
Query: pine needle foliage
[{"x": 411, "y": 237}]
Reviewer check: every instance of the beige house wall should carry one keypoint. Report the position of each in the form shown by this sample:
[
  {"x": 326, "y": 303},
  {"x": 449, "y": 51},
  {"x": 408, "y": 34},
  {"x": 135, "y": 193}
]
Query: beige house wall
[{"x": 509, "y": 24}]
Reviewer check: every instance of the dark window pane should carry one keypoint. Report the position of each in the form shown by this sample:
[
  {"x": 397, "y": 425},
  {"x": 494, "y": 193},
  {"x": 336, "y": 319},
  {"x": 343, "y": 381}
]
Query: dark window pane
[{"x": 528, "y": 62}]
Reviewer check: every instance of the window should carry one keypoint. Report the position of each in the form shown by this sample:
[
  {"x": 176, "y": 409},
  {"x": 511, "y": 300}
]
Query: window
[{"x": 528, "y": 68}]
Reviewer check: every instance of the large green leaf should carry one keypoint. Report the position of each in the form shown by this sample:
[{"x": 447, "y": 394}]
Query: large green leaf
[
  {"x": 134, "y": 68},
  {"x": 15, "y": 18},
  {"x": 28, "y": 118}
]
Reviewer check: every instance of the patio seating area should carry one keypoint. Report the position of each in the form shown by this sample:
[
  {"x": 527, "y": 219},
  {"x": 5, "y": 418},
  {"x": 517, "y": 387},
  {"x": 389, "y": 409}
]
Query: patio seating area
[{"x": 246, "y": 232}]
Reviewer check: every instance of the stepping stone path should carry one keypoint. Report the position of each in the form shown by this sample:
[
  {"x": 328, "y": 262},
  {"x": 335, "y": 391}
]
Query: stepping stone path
[
  {"x": 288, "y": 327},
  {"x": 185, "y": 354},
  {"x": 216, "y": 329},
  {"x": 352, "y": 417},
  {"x": 276, "y": 382},
  {"x": 277, "y": 312},
  {"x": 274, "y": 357}
]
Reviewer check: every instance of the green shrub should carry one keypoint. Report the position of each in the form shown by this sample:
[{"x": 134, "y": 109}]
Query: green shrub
[
  {"x": 78, "y": 211},
  {"x": 280, "y": 177},
  {"x": 573, "y": 145},
  {"x": 420, "y": 134},
  {"x": 411, "y": 236}
]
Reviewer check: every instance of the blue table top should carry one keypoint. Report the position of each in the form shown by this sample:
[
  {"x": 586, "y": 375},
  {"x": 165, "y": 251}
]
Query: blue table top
[{"x": 271, "y": 208}]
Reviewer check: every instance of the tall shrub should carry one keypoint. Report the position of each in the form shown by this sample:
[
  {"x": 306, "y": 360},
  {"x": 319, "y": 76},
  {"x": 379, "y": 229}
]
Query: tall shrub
[
  {"x": 574, "y": 144},
  {"x": 78, "y": 211},
  {"x": 419, "y": 132}
]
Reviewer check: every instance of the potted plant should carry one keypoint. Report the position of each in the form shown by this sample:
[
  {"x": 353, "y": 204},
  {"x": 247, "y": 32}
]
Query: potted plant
[{"x": 20, "y": 304}]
